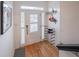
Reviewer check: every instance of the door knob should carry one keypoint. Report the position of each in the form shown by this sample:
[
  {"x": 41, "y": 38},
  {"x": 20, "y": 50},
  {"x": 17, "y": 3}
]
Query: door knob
[{"x": 27, "y": 29}]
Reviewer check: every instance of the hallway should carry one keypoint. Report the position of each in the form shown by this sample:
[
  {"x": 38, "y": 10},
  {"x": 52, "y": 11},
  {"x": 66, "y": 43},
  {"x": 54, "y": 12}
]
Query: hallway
[{"x": 34, "y": 28}]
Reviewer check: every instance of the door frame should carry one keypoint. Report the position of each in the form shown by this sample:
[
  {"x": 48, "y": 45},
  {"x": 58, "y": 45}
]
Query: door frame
[{"x": 42, "y": 27}]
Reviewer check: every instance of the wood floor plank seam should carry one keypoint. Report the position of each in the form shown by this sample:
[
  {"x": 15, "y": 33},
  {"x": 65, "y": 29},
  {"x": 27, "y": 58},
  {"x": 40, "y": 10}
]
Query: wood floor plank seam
[{"x": 41, "y": 49}]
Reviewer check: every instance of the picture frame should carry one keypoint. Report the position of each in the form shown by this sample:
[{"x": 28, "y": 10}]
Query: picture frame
[{"x": 5, "y": 17}]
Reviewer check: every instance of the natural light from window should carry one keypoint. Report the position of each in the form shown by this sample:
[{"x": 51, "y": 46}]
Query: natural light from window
[
  {"x": 33, "y": 22},
  {"x": 32, "y": 8}
]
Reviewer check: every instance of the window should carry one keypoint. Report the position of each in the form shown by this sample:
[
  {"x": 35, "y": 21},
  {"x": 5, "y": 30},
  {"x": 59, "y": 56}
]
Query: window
[
  {"x": 33, "y": 27},
  {"x": 22, "y": 21},
  {"x": 33, "y": 22},
  {"x": 33, "y": 18},
  {"x": 32, "y": 8}
]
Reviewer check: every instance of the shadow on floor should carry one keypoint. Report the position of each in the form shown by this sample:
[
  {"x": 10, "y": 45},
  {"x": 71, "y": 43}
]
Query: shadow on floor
[{"x": 20, "y": 52}]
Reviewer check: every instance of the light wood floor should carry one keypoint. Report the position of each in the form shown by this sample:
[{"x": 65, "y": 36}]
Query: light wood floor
[{"x": 41, "y": 49}]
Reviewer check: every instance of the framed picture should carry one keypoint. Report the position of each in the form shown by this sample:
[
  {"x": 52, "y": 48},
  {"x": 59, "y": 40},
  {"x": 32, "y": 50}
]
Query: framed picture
[{"x": 6, "y": 17}]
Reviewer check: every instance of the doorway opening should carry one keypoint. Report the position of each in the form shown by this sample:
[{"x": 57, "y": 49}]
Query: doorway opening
[{"x": 32, "y": 29}]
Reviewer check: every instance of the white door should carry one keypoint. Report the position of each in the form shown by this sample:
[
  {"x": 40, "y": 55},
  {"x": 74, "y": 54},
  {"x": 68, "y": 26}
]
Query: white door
[{"x": 33, "y": 27}]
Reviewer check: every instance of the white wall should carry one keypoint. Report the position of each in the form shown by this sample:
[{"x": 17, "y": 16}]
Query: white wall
[
  {"x": 17, "y": 12},
  {"x": 55, "y": 5},
  {"x": 69, "y": 22},
  {"x": 7, "y": 42},
  {"x": 67, "y": 30}
]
